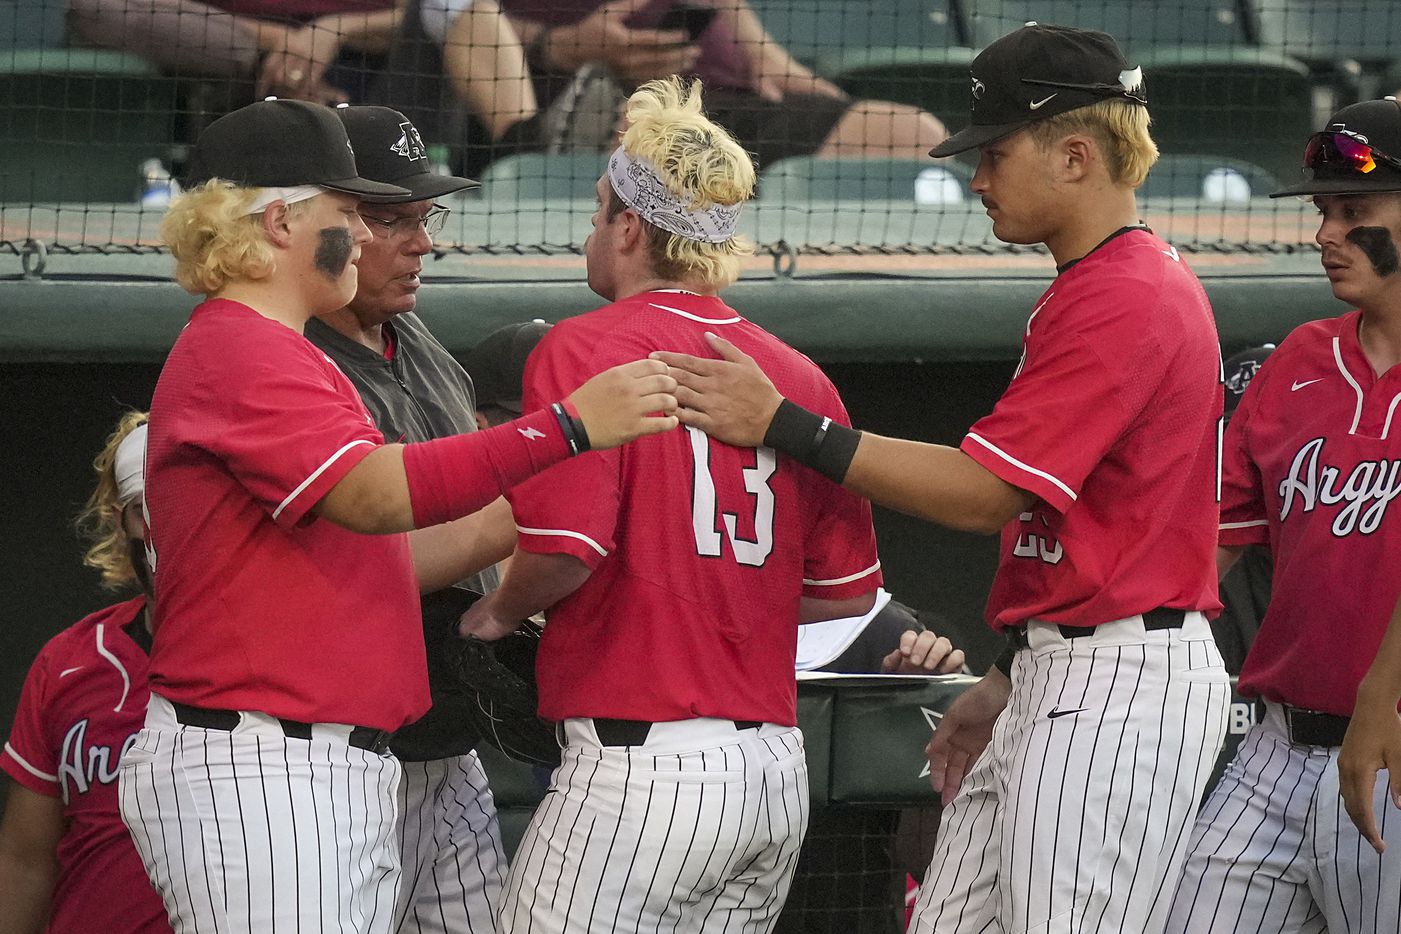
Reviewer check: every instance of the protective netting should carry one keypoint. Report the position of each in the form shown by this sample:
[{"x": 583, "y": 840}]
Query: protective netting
[{"x": 838, "y": 99}]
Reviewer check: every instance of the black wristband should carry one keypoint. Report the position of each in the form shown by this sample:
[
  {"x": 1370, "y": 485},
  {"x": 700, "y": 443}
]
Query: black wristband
[
  {"x": 1004, "y": 661},
  {"x": 575, "y": 435},
  {"x": 812, "y": 440}
]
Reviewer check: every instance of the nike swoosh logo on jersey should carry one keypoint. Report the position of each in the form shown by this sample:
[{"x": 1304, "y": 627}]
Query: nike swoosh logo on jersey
[
  {"x": 1037, "y": 105},
  {"x": 1057, "y": 712},
  {"x": 68, "y": 671},
  {"x": 1308, "y": 382}
]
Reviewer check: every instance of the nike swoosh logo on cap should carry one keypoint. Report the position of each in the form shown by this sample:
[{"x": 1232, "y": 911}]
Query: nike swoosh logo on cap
[
  {"x": 1300, "y": 385},
  {"x": 1037, "y": 105}
]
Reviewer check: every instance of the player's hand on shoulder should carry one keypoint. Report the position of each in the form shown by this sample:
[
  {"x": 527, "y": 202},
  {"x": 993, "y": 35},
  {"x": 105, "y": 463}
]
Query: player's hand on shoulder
[
  {"x": 729, "y": 399},
  {"x": 923, "y": 653},
  {"x": 626, "y": 402},
  {"x": 965, "y": 732},
  {"x": 1372, "y": 743}
]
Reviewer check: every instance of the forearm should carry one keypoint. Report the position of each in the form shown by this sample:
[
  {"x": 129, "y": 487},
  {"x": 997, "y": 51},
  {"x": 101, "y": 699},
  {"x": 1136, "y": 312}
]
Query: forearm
[
  {"x": 27, "y": 888},
  {"x": 766, "y": 56},
  {"x": 537, "y": 582},
  {"x": 445, "y": 554},
  {"x": 933, "y": 482},
  {"x": 369, "y": 32},
  {"x": 485, "y": 61},
  {"x": 1383, "y": 680},
  {"x": 1226, "y": 558}
]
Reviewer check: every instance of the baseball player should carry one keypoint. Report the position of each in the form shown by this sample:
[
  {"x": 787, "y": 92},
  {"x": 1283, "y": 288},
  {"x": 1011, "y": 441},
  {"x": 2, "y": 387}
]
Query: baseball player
[
  {"x": 1071, "y": 770},
  {"x": 66, "y": 860},
  {"x": 675, "y": 573},
  {"x": 260, "y": 792},
  {"x": 1309, "y": 469},
  {"x": 449, "y": 839}
]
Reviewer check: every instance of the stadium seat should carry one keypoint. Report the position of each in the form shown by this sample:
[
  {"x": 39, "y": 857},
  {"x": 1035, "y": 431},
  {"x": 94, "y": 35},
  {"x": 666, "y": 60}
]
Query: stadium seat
[
  {"x": 1208, "y": 178},
  {"x": 815, "y": 30},
  {"x": 29, "y": 24},
  {"x": 1136, "y": 24},
  {"x": 811, "y": 178},
  {"x": 540, "y": 177},
  {"x": 1247, "y": 104},
  {"x": 1329, "y": 34},
  {"x": 78, "y": 123}
]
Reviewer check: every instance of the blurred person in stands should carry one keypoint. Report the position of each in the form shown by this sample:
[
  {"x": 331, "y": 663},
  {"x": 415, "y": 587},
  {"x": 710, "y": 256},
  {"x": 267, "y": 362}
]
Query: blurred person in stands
[{"x": 591, "y": 52}]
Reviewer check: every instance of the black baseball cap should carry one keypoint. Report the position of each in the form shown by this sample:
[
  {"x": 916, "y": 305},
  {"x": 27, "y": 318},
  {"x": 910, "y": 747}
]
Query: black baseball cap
[
  {"x": 389, "y": 149},
  {"x": 282, "y": 144},
  {"x": 497, "y": 363},
  {"x": 1239, "y": 369},
  {"x": 1337, "y": 160},
  {"x": 1039, "y": 72}
]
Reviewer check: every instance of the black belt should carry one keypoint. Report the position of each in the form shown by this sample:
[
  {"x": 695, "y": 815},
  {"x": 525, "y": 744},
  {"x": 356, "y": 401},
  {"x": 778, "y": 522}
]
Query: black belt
[
  {"x": 634, "y": 732},
  {"x": 1153, "y": 621},
  {"x": 361, "y": 737},
  {"x": 1309, "y": 727}
]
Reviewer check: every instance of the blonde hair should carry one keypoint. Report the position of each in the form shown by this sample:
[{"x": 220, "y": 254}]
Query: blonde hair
[
  {"x": 100, "y": 522},
  {"x": 700, "y": 162},
  {"x": 1120, "y": 128},
  {"x": 213, "y": 238}
]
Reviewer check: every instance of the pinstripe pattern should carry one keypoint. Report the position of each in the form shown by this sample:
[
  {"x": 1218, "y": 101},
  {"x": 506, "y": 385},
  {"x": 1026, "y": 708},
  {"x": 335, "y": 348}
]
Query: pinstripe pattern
[
  {"x": 670, "y": 836},
  {"x": 1273, "y": 849},
  {"x": 450, "y": 849},
  {"x": 1079, "y": 822},
  {"x": 249, "y": 831}
]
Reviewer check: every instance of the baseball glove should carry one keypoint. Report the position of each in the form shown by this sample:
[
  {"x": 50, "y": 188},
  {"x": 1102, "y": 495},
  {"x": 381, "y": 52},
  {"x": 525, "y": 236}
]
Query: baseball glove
[{"x": 499, "y": 678}]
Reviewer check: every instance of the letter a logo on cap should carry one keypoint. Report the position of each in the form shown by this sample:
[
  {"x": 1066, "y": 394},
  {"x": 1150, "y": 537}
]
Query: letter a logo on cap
[{"x": 410, "y": 144}]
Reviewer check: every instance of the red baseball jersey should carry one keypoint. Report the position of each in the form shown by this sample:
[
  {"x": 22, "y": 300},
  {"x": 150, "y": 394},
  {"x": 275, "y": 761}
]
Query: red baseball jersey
[
  {"x": 260, "y": 604},
  {"x": 1311, "y": 468},
  {"x": 82, "y": 703},
  {"x": 1112, "y": 420},
  {"x": 700, "y": 551}
]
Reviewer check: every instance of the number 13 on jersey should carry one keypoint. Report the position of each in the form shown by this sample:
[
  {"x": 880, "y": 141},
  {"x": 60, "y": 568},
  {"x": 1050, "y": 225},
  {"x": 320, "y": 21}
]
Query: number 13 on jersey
[{"x": 705, "y": 512}]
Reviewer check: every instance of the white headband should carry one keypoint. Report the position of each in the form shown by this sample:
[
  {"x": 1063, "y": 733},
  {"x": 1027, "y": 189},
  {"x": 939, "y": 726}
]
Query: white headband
[
  {"x": 129, "y": 465},
  {"x": 642, "y": 189},
  {"x": 266, "y": 196}
]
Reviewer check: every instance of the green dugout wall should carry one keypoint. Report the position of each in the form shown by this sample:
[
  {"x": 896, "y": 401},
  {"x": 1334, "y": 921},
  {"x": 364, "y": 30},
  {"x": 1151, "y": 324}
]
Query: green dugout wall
[{"x": 918, "y": 357}]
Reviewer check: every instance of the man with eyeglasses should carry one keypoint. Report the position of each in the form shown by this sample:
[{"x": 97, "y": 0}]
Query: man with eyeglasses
[
  {"x": 1310, "y": 468},
  {"x": 449, "y": 838}
]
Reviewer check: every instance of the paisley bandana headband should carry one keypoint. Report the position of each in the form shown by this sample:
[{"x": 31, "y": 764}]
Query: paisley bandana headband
[{"x": 641, "y": 189}]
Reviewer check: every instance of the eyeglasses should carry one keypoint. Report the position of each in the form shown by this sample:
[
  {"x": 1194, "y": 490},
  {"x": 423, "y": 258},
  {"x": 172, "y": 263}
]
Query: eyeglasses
[
  {"x": 1331, "y": 151},
  {"x": 407, "y": 226}
]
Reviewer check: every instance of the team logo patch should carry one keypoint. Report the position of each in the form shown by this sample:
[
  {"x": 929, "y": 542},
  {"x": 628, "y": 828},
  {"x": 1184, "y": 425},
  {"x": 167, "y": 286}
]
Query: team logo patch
[
  {"x": 979, "y": 89},
  {"x": 409, "y": 144},
  {"x": 1241, "y": 378}
]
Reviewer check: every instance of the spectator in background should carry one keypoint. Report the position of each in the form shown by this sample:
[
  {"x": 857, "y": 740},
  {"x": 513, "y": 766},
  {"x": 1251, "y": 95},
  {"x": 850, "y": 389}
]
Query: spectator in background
[
  {"x": 319, "y": 50},
  {"x": 67, "y": 864},
  {"x": 1245, "y": 590},
  {"x": 774, "y": 105}
]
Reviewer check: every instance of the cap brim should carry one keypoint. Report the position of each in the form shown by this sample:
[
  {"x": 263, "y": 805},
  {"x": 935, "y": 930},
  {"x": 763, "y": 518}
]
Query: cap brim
[
  {"x": 972, "y": 137},
  {"x": 1340, "y": 186},
  {"x": 370, "y": 191},
  {"x": 430, "y": 185}
]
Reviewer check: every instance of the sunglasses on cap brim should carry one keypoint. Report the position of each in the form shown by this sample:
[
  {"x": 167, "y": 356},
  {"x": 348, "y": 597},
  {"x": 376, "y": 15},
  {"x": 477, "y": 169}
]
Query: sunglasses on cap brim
[{"x": 1330, "y": 151}]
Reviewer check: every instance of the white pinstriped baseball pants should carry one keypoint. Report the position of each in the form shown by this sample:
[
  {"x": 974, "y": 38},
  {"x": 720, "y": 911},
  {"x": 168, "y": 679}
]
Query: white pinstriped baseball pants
[
  {"x": 695, "y": 831},
  {"x": 1075, "y": 818},
  {"x": 450, "y": 849},
  {"x": 250, "y": 831},
  {"x": 1273, "y": 849}
]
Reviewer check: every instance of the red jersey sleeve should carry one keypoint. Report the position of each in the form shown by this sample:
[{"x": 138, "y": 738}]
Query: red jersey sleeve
[
  {"x": 572, "y": 508},
  {"x": 841, "y": 554},
  {"x": 288, "y": 429},
  {"x": 29, "y": 757},
  {"x": 1244, "y": 517},
  {"x": 1083, "y": 379}
]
